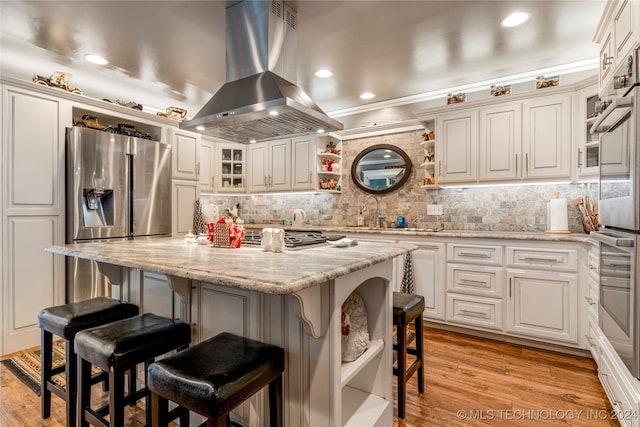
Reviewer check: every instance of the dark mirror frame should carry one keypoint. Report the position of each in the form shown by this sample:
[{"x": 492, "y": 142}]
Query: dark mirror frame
[{"x": 407, "y": 173}]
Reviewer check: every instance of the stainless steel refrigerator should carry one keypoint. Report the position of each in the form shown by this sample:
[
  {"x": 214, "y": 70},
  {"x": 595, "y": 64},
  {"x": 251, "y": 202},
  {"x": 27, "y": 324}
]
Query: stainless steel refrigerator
[{"x": 117, "y": 187}]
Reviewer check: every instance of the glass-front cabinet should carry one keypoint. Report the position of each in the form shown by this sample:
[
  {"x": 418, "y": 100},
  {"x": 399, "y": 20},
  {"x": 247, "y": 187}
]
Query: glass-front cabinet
[
  {"x": 232, "y": 164},
  {"x": 588, "y": 164}
]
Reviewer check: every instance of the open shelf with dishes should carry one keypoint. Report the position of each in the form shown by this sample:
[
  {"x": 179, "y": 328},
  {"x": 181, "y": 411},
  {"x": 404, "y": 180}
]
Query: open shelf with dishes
[
  {"x": 428, "y": 163},
  {"x": 329, "y": 166}
]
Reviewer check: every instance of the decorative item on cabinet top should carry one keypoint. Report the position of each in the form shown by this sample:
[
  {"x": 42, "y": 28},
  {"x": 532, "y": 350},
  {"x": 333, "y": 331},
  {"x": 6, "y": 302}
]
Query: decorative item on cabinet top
[
  {"x": 500, "y": 90},
  {"x": 455, "y": 99},
  {"x": 174, "y": 113},
  {"x": 542, "y": 82},
  {"x": 58, "y": 80}
]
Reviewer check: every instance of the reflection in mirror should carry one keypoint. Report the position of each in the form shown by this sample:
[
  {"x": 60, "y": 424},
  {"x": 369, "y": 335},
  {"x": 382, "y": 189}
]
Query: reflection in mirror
[{"x": 381, "y": 169}]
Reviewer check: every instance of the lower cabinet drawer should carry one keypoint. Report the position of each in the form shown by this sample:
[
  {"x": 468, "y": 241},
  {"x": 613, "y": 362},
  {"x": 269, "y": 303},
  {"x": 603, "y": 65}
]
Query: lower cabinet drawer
[
  {"x": 476, "y": 280},
  {"x": 474, "y": 311},
  {"x": 626, "y": 412}
]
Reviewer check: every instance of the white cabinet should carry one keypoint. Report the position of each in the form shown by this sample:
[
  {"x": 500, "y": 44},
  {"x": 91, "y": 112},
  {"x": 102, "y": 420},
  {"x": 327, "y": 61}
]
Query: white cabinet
[
  {"x": 230, "y": 168},
  {"x": 456, "y": 147},
  {"x": 207, "y": 159},
  {"x": 588, "y": 150},
  {"x": 270, "y": 166},
  {"x": 475, "y": 282},
  {"x": 428, "y": 264},
  {"x": 32, "y": 191},
  {"x": 303, "y": 158},
  {"x": 184, "y": 154},
  {"x": 543, "y": 293},
  {"x": 500, "y": 142},
  {"x": 546, "y": 137},
  {"x": 183, "y": 198},
  {"x": 617, "y": 34}
]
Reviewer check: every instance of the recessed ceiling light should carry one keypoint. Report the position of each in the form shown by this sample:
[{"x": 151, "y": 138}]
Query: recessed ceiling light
[
  {"x": 273, "y": 113},
  {"x": 200, "y": 128},
  {"x": 324, "y": 73},
  {"x": 252, "y": 141},
  {"x": 367, "y": 95},
  {"x": 515, "y": 19},
  {"x": 96, "y": 59},
  {"x": 320, "y": 131}
]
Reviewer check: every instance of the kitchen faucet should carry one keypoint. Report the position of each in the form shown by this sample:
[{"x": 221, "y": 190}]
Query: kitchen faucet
[{"x": 378, "y": 216}]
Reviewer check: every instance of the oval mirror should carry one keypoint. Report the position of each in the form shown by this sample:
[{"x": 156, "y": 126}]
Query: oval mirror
[{"x": 381, "y": 169}]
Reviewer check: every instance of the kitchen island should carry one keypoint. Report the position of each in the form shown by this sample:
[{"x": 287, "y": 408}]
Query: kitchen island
[{"x": 292, "y": 299}]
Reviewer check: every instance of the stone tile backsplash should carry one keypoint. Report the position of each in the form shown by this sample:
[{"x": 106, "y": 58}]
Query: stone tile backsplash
[{"x": 520, "y": 208}]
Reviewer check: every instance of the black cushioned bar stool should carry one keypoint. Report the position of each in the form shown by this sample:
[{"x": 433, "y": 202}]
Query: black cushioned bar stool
[
  {"x": 116, "y": 348},
  {"x": 66, "y": 321},
  {"x": 408, "y": 308},
  {"x": 214, "y": 377}
]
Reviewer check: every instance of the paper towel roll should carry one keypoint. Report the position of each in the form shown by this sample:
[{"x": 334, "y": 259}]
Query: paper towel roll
[{"x": 557, "y": 215}]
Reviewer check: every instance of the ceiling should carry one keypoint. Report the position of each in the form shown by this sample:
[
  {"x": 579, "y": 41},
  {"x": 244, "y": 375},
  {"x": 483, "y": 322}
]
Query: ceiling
[{"x": 172, "y": 53}]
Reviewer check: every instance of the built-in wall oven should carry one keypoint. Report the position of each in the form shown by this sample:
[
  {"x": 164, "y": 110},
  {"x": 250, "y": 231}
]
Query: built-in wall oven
[{"x": 619, "y": 214}]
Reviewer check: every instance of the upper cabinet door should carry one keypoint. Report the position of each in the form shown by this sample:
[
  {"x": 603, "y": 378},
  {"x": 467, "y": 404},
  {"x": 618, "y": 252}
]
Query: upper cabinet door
[
  {"x": 303, "y": 152},
  {"x": 546, "y": 133},
  {"x": 280, "y": 162},
  {"x": 259, "y": 170},
  {"x": 500, "y": 142},
  {"x": 456, "y": 147},
  {"x": 207, "y": 161},
  {"x": 625, "y": 30},
  {"x": 184, "y": 154}
]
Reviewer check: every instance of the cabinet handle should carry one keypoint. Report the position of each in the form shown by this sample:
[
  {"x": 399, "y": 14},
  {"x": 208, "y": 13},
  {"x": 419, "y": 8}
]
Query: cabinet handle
[
  {"x": 264, "y": 181},
  {"x": 474, "y": 255},
  {"x": 212, "y": 182},
  {"x": 516, "y": 164},
  {"x": 197, "y": 168},
  {"x": 474, "y": 313},
  {"x": 606, "y": 60},
  {"x": 537, "y": 259},
  {"x": 479, "y": 282},
  {"x": 526, "y": 163},
  {"x": 579, "y": 158},
  {"x": 607, "y": 388},
  {"x": 510, "y": 283},
  {"x": 440, "y": 168},
  {"x": 270, "y": 181},
  {"x": 310, "y": 177},
  {"x": 590, "y": 300},
  {"x": 589, "y": 340}
]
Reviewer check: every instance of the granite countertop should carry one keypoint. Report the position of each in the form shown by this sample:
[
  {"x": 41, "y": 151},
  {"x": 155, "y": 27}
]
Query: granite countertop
[
  {"x": 513, "y": 235},
  {"x": 246, "y": 268}
]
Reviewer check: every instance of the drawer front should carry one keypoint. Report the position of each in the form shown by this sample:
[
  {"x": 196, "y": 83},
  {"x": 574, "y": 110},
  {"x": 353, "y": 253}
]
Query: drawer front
[
  {"x": 474, "y": 311},
  {"x": 594, "y": 265},
  {"x": 474, "y": 254},
  {"x": 592, "y": 299},
  {"x": 593, "y": 337},
  {"x": 622, "y": 406},
  {"x": 476, "y": 280},
  {"x": 562, "y": 260}
]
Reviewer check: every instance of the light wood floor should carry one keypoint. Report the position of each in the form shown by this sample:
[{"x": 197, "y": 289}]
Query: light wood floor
[{"x": 468, "y": 382}]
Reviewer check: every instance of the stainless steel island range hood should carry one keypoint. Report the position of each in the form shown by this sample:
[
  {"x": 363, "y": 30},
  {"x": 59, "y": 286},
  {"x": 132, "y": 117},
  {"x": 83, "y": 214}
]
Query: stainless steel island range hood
[{"x": 259, "y": 102}]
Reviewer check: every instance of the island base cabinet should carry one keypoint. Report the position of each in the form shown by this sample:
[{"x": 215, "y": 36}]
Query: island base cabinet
[
  {"x": 543, "y": 305},
  {"x": 357, "y": 393}
]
